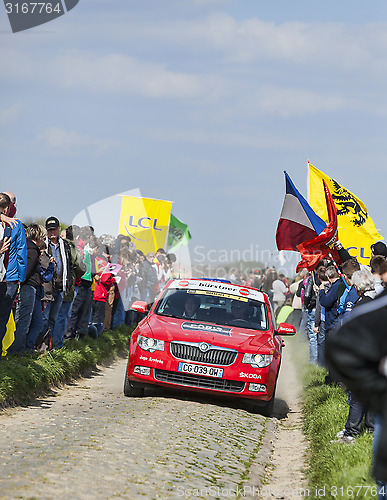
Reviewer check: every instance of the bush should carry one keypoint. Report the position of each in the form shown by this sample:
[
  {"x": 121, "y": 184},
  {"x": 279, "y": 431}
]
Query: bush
[{"x": 27, "y": 376}]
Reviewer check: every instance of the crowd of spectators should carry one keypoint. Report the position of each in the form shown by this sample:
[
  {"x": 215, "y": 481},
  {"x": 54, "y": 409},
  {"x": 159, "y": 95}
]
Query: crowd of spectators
[{"x": 65, "y": 284}]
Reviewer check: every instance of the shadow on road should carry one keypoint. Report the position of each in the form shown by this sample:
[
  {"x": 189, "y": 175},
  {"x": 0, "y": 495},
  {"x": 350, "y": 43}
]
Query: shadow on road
[{"x": 281, "y": 409}]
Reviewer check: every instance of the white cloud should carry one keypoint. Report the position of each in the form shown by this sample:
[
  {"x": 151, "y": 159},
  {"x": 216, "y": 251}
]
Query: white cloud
[
  {"x": 116, "y": 73},
  {"x": 345, "y": 48},
  {"x": 68, "y": 142},
  {"x": 226, "y": 139},
  {"x": 293, "y": 102}
]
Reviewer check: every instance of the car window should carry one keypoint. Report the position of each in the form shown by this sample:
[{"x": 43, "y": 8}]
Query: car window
[{"x": 214, "y": 307}]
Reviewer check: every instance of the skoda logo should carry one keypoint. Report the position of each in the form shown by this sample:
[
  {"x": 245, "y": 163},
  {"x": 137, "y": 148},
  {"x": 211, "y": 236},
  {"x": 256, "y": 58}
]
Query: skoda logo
[{"x": 204, "y": 347}]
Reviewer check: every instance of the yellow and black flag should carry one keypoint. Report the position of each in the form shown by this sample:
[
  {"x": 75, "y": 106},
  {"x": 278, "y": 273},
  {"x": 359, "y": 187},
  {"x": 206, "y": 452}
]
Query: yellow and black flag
[{"x": 356, "y": 229}]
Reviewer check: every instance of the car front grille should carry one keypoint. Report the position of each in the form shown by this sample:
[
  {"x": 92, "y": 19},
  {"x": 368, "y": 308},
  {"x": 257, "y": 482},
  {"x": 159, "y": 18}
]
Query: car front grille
[
  {"x": 197, "y": 381},
  {"x": 214, "y": 356}
]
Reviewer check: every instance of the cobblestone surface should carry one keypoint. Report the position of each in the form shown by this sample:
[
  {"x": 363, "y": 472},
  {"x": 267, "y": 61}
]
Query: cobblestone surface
[{"x": 89, "y": 441}]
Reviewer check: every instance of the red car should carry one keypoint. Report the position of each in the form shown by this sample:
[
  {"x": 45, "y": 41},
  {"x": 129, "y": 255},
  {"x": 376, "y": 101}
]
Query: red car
[{"x": 209, "y": 336}]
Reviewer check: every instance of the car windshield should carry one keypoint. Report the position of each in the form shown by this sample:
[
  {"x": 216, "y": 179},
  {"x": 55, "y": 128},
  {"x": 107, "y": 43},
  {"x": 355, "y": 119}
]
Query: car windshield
[{"x": 213, "y": 307}]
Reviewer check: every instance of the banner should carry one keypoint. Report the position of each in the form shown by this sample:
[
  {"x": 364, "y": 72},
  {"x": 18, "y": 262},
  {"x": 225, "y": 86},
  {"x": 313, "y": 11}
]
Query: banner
[
  {"x": 298, "y": 222},
  {"x": 356, "y": 230},
  {"x": 9, "y": 336},
  {"x": 146, "y": 221},
  {"x": 178, "y": 234}
]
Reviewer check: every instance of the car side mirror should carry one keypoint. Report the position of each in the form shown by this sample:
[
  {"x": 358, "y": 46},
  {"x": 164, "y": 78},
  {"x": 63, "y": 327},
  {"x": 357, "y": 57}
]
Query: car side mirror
[
  {"x": 140, "y": 306},
  {"x": 286, "y": 329}
]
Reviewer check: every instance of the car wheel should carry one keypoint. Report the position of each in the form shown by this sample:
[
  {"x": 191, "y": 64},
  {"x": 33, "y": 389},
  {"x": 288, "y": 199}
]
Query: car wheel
[
  {"x": 264, "y": 408},
  {"x": 129, "y": 390},
  {"x": 267, "y": 409}
]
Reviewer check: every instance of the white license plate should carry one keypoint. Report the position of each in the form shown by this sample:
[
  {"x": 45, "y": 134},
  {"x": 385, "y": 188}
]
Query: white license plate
[{"x": 208, "y": 371}]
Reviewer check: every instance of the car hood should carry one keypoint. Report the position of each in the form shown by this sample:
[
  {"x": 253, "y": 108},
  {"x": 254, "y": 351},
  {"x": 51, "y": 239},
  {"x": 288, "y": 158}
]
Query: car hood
[{"x": 242, "y": 339}]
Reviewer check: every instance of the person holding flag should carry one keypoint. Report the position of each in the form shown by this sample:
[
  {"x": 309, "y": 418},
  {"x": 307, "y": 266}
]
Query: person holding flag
[{"x": 356, "y": 229}]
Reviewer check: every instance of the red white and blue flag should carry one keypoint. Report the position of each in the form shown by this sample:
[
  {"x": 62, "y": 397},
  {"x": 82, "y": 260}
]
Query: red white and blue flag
[{"x": 298, "y": 222}]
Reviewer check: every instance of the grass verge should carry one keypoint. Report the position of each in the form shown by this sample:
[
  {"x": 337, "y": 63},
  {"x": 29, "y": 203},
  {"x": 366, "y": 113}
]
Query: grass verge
[
  {"x": 25, "y": 377},
  {"x": 335, "y": 470}
]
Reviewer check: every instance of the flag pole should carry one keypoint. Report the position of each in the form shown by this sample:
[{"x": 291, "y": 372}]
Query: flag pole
[{"x": 338, "y": 270}]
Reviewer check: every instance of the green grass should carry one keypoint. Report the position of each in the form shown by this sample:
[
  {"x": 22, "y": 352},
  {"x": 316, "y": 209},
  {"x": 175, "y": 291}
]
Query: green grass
[
  {"x": 338, "y": 468},
  {"x": 25, "y": 377}
]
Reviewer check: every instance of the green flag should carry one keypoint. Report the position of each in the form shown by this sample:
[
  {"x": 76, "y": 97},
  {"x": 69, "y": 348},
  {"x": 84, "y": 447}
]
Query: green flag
[{"x": 178, "y": 233}]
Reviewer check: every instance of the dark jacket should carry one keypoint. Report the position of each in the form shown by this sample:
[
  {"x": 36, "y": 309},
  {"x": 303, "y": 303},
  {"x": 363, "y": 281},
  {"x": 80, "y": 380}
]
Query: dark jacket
[
  {"x": 329, "y": 301},
  {"x": 353, "y": 354},
  {"x": 57, "y": 281},
  {"x": 310, "y": 295},
  {"x": 78, "y": 269},
  {"x": 33, "y": 265}
]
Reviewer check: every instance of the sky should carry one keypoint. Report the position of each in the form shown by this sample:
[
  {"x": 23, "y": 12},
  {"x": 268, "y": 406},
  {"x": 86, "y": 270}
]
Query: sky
[{"x": 201, "y": 102}]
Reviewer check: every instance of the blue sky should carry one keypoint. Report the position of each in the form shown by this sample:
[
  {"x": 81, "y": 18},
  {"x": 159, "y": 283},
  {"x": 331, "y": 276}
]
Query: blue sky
[{"x": 202, "y": 102}]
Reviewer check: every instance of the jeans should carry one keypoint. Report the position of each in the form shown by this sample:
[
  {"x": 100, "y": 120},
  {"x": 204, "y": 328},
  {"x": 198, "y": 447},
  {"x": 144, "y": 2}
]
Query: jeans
[
  {"x": 312, "y": 337},
  {"x": 50, "y": 312},
  {"x": 36, "y": 325},
  {"x": 80, "y": 312},
  {"x": 118, "y": 313},
  {"x": 98, "y": 314},
  {"x": 58, "y": 333},
  {"x": 321, "y": 344},
  {"x": 382, "y": 487},
  {"x": 355, "y": 417},
  {"x": 8, "y": 291},
  {"x": 303, "y": 324},
  {"x": 24, "y": 310}
]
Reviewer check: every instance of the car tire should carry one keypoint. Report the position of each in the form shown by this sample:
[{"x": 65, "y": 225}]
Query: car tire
[
  {"x": 129, "y": 390},
  {"x": 264, "y": 408}
]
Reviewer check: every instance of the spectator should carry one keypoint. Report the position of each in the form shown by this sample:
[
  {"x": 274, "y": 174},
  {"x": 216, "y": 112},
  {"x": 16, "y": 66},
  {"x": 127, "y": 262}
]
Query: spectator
[
  {"x": 5, "y": 296},
  {"x": 296, "y": 301},
  {"x": 78, "y": 323},
  {"x": 357, "y": 355},
  {"x": 78, "y": 268},
  {"x": 103, "y": 281},
  {"x": 28, "y": 289},
  {"x": 319, "y": 321},
  {"x": 35, "y": 336},
  {"x": 376, "y": 263},
  {"x": 379, "y": 248},
  {"x": 363, "y": 283},
  {"x": 279, "y": 292},
  {"x": 58, "y": 248},
  {"x": 148, "y": 274},
  {"x": 328, "y": 299},
  {"x": 310, "y": 300},
  {"x": 347, "y": 293},
  {"x": 16, "y": 268}
]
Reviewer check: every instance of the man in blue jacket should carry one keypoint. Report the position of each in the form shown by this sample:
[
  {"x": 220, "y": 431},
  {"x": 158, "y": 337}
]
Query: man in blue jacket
[
  {"x": 329, "y": 300},
  {"x": 16, "y": 270}
]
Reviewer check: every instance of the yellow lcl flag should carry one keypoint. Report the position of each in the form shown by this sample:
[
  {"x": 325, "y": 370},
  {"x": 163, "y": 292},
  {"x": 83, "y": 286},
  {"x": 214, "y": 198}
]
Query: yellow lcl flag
[
  {"x": 356, "y": 230},
  {"x": 146, "y": 221}
]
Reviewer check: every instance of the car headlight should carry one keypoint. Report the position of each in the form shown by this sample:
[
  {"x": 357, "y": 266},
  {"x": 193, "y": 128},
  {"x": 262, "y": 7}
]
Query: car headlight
[
  {"x": 257, "y": 360},
  {"x": 149, "y": 344}
]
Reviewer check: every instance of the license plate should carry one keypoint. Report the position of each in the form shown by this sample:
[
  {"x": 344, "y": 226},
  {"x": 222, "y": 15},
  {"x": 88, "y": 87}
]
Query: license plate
[{"x": 208, "y": 371}]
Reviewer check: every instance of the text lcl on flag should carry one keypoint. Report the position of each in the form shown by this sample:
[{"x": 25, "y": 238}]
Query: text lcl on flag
[{"x": 356, "y": 230}]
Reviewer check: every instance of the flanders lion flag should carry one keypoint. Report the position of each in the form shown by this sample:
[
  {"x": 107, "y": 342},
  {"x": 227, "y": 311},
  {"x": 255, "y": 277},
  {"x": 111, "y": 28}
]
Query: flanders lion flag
[{"x": 356, "y": 230}]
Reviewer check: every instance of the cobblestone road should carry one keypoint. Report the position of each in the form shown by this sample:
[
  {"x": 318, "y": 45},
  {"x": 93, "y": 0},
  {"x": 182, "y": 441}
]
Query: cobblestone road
[{"x": 89, "y": 441}]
